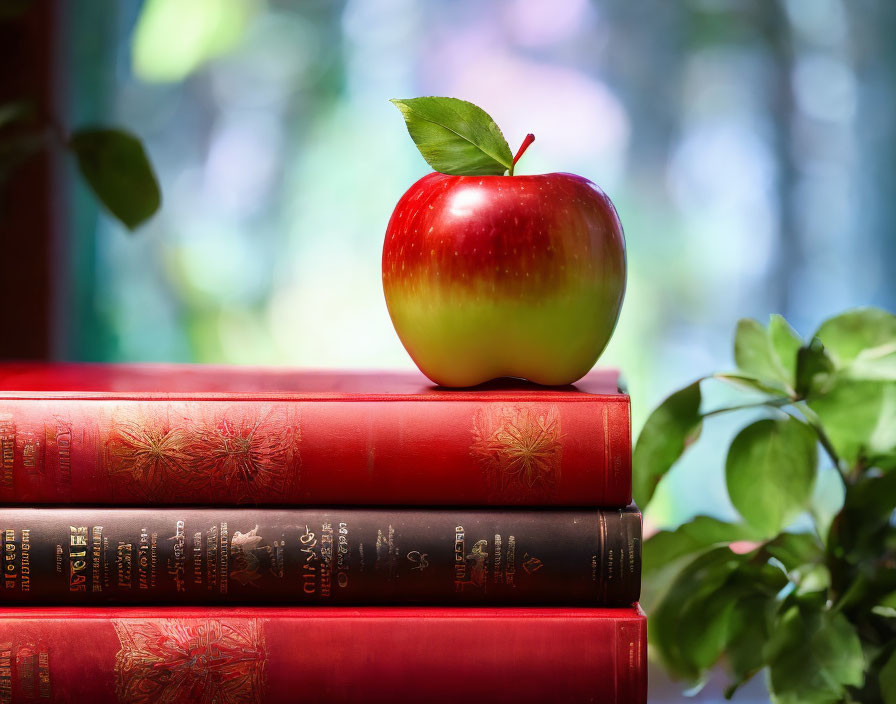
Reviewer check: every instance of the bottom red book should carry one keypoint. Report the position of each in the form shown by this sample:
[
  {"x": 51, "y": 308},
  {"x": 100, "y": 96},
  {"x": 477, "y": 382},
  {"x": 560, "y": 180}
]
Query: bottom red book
[{"x": 322, "y": 655}]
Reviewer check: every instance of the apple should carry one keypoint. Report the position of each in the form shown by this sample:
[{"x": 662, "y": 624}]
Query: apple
[{"x": 489, "y": 276}]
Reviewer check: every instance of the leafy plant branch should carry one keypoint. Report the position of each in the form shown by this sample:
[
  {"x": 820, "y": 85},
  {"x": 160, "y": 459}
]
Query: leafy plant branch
[
  {"x": 816, "y": 610},
  {"x": 112, "y": 161}
]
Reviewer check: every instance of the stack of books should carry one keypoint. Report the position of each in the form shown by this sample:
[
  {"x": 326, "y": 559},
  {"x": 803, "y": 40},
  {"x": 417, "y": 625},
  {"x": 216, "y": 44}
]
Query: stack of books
[{"x": 194, "y": 534}]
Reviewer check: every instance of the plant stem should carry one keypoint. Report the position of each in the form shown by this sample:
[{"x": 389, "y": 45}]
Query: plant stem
[
  {"x": 814, "y": 422},
  {"x": 774, "y": 403},
  {"x": 523, "y": 147}
]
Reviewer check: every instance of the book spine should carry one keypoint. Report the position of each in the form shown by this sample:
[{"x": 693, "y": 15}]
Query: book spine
[
  {"x": 335, "y": 656},
  {"x": 313, "y": 556},
  {"x": 325, "y": 452}
]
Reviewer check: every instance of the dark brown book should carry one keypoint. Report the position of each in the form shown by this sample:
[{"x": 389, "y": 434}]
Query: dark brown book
[{"x": 321, "y": 556}]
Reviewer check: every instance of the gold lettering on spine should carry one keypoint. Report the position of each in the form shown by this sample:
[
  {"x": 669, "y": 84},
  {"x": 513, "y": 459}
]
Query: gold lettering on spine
[
  {"x": 197, "y": 557},
  {"x": 342, "y": 556},
  {"x": 64, "y": 452},
  {"x": 26, "y": 560},
  {"x": 97, "y": 545},
  {"x": 460, "y": 562},
  {"x": 77, "y": 559},
  {"x": 143, "y": 560},
  {"x": 224, "y": 554},
  {"x": 32, "y": 459},
  {"x": 248, "y": 556},
  {"x": 326, "y": 558},
  {"x": 177, "y": 562},
  {"x": 510, "y": 571},
  {"x": 470, "y": 569},
  {"x": 5, "y": 673},
  {"x": 7, "y": 451},
  {"x": 153, "y": 559},
  {"x": 25, "y": 660},
  {"x": 43, "y": 669},
  {"x": 211, "y": 558},
  {"x": 309, "y": 567},
  {"x": 10, "y": 566},
  {"x": 386, "y": 552},
  {"x": 123, "y": 561}
]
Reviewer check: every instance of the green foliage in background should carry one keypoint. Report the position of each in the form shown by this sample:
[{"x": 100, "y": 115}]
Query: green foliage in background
[
  {"x": 112, "y": 161},
  {"x": 811, "y": 602}
]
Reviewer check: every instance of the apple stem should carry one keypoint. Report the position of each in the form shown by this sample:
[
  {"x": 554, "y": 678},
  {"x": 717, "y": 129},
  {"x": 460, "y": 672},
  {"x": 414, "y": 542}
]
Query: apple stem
[{"x": 523, "y": 147}]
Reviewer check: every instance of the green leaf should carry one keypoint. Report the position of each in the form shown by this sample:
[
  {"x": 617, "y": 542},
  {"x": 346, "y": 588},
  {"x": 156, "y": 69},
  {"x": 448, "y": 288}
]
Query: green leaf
[
  {"x": 786, "y": 342},
  {"x": 863, "y": 526},
  {"x": 755, "y": 355},
  {"x": 859, "y": 417},
  {"x": 889, "y": 601},
  {"x": 770, "y": 471},
  {"x": 456, "y": 137},
  {"x": 687, "y": 630},
  {"x": 827, "y": 499},
  {"x": 795, "y": 550},
  {"x": 862, "y": 343},
  {"x": 753, "y": 383},
  {"x": 847, "y": 335},
  {"x": 748, "y": 631},
  {"x": 874, "y": 363},
  {"x": 888, "y": 680},
  {"x": 670, "y": 429},
  {"x": 699, "y": 616},
  {"x": 116, "y": 167},
  {"x": 697, "y": 535},
  {"x": 813, "y": 369},
  {"x": 813, "y": 657},
  {"x": 802, "y": 555}
]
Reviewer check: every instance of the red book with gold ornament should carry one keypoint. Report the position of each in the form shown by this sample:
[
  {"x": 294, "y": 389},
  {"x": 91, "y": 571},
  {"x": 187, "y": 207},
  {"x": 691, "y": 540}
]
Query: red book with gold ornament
[
  {"x": 333, "y": 655},
  {"x": 180, "y": 434}
]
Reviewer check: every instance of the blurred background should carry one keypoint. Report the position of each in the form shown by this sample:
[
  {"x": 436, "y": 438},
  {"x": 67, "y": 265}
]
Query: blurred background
[{"x": 748, "y": 146}]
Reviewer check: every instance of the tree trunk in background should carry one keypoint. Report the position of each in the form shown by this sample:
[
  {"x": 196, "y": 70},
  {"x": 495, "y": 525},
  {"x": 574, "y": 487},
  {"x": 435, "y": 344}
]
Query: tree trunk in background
[{"x": 31, "y": 201}]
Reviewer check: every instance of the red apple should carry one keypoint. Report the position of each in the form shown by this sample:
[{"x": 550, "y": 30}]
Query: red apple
[{"x": 504, "y": 276}]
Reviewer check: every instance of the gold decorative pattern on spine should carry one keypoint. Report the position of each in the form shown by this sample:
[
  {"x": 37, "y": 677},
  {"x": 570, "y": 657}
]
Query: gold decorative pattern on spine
[
  {"x": 146, "y": 453},
  {"x": 233, "y": 455},
  {"x": 247, "y": 457},
  {"x": 189, "y": 661},
  {"x": 518, "y": 447}
]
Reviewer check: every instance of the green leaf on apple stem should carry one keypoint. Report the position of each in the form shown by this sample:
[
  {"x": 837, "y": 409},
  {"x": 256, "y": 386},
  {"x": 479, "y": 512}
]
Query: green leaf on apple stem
[{"x": 456, "y": 137}]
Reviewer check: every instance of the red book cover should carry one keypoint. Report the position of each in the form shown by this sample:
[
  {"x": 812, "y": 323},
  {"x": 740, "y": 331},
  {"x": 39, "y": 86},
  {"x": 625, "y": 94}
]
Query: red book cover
[
  {"x": 180, "y": 434},
  {"x": 323, "y": 655}
]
